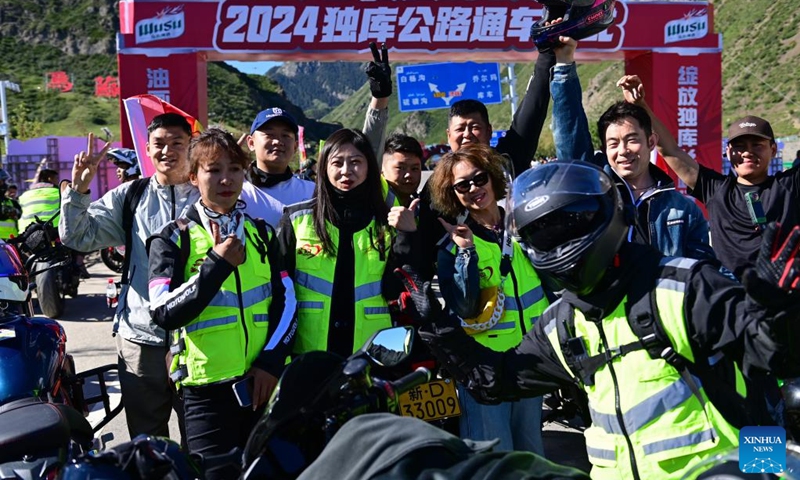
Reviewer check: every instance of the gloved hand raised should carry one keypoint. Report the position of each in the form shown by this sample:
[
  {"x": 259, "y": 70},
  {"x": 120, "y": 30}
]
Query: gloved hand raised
[
  {"x": 418, "y": 301},
  {"x": 776, "y": 275},
  {"x": 379, "y": 72}
]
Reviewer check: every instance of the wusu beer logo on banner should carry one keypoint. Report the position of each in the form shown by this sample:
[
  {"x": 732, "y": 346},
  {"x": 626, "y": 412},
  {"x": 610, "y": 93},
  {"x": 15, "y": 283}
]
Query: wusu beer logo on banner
[
  {"x": 693, "y": 25},
  {"x": 762, "y": 450},
  {"x": 168, "y": 23}
]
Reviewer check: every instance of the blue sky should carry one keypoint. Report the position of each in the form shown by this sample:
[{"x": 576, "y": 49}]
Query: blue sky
[{"x": 259, "y": 68}]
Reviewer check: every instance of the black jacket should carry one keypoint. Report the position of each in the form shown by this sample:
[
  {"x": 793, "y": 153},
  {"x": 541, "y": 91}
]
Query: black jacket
[{"x": 720, "y": 317}]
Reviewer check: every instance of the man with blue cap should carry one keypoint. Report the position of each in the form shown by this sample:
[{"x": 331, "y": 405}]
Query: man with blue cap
[{"x": 273, "y": 138}]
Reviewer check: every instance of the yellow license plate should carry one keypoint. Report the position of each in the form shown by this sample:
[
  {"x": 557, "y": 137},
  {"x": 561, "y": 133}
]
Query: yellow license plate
[{"x": 431, "y": 401}]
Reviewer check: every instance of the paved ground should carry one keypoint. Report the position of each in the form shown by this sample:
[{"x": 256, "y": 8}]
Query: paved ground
[{"x": 87, "y": 322}]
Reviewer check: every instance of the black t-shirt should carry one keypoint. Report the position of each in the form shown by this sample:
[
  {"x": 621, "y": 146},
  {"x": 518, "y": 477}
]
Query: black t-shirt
[{"x": 735, "y": 238}]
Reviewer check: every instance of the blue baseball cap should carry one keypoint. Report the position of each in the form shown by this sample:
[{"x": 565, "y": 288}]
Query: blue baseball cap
[{"x": 269, "y": 114}]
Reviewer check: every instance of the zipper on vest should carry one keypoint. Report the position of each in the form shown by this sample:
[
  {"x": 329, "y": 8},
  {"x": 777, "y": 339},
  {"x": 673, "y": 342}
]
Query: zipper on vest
[
  {"x": 518, "y": 299},
  {"x": 241, "y": 307},
  {"x": 617, "y": 407}
]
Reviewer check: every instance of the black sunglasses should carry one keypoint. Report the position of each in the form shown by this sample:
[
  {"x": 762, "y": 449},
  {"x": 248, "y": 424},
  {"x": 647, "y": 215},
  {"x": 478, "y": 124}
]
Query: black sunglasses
[{"x": 478, "y": 180}]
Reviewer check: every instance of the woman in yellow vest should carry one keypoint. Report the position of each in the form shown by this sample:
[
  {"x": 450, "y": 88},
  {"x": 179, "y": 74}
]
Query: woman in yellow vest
[
  {"x": 489, "y": 283},
  {"x": 217, "y": 282},
  {"x": 341, "y": 244}
]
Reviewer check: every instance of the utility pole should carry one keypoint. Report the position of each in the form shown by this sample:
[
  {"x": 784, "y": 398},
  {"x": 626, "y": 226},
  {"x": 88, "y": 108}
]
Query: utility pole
[
  {"x": 512, "y": 89},
  {"x": 5, "y": 128}
]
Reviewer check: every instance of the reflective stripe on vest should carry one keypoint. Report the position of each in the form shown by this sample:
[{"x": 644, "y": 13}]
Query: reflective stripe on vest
[
  {"x": 666, "y": 424},
  {"x": 531, "y": 299},
  {"x": 314, "y": 280},
  {"x": 42, "y": 202},
  {"x": 219, "y": 343}
]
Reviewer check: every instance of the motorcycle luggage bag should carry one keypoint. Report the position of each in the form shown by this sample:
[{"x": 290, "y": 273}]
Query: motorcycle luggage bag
[{"x": 30, "y": 426}]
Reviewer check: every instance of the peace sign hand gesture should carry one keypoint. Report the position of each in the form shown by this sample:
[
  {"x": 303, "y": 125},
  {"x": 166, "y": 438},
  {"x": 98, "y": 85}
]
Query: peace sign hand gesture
[
  {"x": 379, "y": 72},
  {"x": 460, "y": 234},
  {"x": 85, "y": 167}
]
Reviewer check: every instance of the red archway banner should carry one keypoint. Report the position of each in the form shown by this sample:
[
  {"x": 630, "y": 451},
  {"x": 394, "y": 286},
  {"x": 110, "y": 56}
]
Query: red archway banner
[{"x": 172, "y": 40}]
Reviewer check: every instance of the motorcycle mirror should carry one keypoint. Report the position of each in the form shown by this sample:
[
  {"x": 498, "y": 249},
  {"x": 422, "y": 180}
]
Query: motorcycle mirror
[{"x": 390, "y": 346}]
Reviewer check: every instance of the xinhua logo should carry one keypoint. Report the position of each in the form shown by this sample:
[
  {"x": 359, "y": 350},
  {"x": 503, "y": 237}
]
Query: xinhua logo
[{"x": 762, "y": 450}]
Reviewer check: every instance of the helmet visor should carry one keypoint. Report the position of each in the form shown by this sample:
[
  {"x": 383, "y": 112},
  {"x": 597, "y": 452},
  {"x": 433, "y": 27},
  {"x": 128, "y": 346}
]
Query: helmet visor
[
  {"x": 562, "y": 226},
  {"x": 533, "y": 187}
]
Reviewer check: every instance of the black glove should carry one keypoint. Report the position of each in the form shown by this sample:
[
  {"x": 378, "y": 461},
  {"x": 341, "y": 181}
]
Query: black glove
[
  {"x": 777, "y": 272},
  {"x": 379, "y": 72},
  {"x": 418, "y": 301}
]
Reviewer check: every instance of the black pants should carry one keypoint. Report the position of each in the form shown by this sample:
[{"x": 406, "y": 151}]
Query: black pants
[{"x": 215, "y": 423}]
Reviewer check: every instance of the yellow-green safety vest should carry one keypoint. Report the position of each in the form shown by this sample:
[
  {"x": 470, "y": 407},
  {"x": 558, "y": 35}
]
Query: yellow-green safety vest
[
  {"x": 525, "y": 299},
  {"x": 388, "y": 195},
  {"x": 314, "y": 282},
  {"x": 8, "y": 228},
  {"x": 665, "y": 423},
  {"x": 231, "y": 331},
  {"x": 42, "y": 202}
]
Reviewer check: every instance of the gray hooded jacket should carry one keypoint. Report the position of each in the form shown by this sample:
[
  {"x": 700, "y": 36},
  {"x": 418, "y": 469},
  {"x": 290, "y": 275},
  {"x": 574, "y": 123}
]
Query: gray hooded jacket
[{"x": 86, "y": 226}]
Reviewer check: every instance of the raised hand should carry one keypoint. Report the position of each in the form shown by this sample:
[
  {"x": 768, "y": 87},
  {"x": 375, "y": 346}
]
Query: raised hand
[
  {"x": 85, "y": 167},
  {"x": 379, "y": 72},
  {"x": 230, "y": 248},
  {"x": 632, "y": 88},
  {"x": 403, "y": 219},
  {"x": 460, "y": 234}
]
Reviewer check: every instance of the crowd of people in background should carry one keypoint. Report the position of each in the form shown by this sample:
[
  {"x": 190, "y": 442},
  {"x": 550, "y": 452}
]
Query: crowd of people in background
[{"x": 234, "y": 266}]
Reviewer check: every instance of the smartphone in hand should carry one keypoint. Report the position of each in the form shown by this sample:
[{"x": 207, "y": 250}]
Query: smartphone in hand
[{"x": 243, "y": 390}]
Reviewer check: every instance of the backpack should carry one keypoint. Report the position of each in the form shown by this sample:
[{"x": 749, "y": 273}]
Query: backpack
[
  {"x": 719, "y": 377},
  {"x": 132, "y": 198}
]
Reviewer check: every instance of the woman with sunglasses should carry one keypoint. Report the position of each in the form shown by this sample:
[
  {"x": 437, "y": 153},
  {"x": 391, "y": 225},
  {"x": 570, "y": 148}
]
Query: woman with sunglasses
[
  {"x": 341, "y": 244},
  {"x": 487, "y": 280}
]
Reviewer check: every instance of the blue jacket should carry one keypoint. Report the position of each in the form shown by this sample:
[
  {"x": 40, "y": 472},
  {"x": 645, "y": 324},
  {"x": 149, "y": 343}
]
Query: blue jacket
[{"x": 667, "y": 220}]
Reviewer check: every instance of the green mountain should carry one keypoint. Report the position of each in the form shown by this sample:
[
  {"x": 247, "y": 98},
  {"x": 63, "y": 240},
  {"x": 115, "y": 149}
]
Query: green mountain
[
  {"x": 761, "y": 53},
  {"x": 77, "y": 37},
  {"x": 761, "y": 39}
]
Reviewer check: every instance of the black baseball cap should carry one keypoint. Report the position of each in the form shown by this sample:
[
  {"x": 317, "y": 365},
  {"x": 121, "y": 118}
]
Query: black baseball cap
[
  {"x": 270, "y": 114},
  {"x": 751, "y": 125}
]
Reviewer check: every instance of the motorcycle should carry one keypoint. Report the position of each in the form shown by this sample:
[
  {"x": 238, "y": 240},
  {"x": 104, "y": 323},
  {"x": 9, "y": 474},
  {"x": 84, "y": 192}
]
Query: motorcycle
[
  {"x": 113, "y": 258},
  {"x": 54, "y": 271},
  {"x": 42, "y": 401}
]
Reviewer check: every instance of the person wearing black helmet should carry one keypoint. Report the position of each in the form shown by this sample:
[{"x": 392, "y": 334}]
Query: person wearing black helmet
[{"x": 637, "y": 331}]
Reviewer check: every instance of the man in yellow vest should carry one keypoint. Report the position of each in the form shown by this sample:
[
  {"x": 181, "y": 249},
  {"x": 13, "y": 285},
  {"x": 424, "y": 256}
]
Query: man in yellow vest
[
  {"x": 642, "y": 334},
  {"x": 10, "y": 210},
  {"x": 42, "y": 200}
]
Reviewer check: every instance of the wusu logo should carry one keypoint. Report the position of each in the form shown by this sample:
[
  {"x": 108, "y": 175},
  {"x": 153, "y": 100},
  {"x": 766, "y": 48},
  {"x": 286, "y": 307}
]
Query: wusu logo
[
  {"x": 762, "y": 450},
  {"x": 693, "y": 25},
  {"x": 168, "y": 23},
  {"x": 747, "y": 125}
]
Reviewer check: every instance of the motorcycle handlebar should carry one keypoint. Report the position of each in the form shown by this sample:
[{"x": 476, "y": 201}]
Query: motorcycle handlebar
[{"x": 414, "y": 379}]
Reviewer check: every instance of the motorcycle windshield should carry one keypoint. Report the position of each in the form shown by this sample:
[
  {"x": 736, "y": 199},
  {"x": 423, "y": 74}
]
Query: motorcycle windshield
[
  {"x": 10, "y": 263},
  {"x": 30, "y": 354},
  {"x": 290, "y": 434}
]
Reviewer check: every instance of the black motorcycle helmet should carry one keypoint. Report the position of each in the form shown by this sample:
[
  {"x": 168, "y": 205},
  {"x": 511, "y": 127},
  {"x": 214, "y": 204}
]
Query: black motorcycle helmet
[
  {"x": 582, "y": 18},
  {"x": 570, "y": 219}
]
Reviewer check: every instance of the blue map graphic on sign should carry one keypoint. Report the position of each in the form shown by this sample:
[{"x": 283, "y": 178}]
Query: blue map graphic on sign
[
  {"x": 762, "y": 450},
  {"x": 439, "y": 85}
]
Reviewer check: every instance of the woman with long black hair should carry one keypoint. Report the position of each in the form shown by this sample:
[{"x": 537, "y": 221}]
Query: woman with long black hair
[{"x": 342, "y": 246}]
